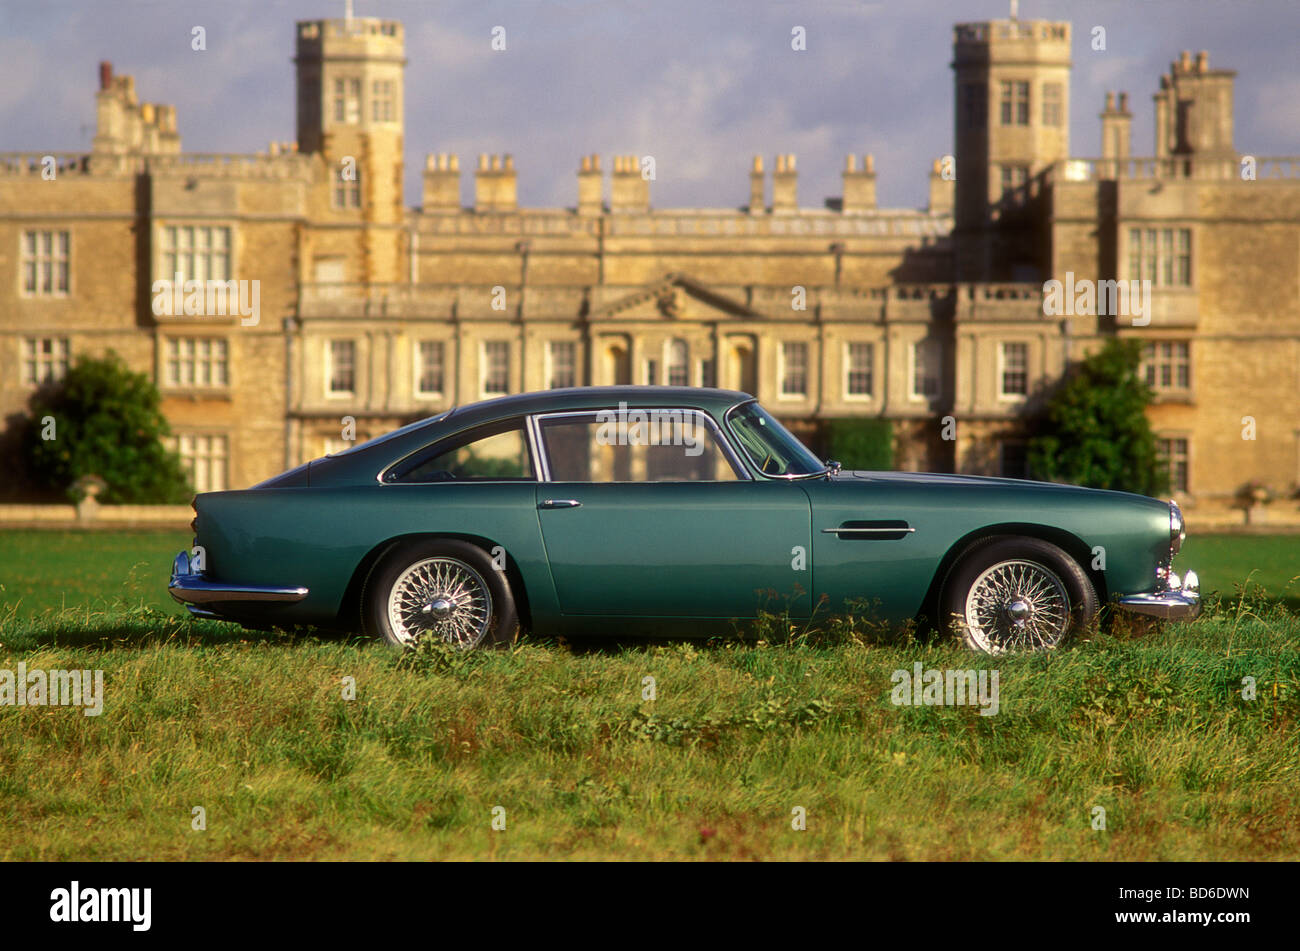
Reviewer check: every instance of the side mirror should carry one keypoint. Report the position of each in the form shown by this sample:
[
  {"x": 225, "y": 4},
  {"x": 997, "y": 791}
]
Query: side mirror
[{"x": 833, "y": 467}]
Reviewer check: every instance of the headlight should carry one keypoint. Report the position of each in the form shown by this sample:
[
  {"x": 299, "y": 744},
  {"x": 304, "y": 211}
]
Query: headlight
[{"x": 1177, "y": 528}]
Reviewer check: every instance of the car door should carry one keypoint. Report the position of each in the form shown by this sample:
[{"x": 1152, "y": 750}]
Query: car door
[
  {"x": 648, "y": 513},
  {"x": 875, "y": 546}
]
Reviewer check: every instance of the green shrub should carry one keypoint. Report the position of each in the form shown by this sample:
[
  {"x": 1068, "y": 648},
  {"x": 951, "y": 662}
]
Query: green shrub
[
  {"x": 860, "y": 443},
  {"x": 104, "y": 420}
]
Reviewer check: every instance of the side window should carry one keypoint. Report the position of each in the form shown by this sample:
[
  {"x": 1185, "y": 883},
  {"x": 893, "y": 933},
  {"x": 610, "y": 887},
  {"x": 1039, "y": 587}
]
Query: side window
[
  {"x": 654, "y": 445},
  {"x": 490, "y": 453}
]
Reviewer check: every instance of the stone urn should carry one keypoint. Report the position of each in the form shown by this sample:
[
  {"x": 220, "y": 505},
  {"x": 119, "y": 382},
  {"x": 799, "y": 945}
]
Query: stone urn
[{"x": 88, "y": 489}]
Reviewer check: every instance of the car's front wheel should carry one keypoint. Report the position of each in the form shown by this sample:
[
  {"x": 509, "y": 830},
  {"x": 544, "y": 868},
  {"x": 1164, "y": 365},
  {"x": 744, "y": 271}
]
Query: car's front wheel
[
  {"x": 444, "y": 589},
  {"x": 1013, "y": 593}
]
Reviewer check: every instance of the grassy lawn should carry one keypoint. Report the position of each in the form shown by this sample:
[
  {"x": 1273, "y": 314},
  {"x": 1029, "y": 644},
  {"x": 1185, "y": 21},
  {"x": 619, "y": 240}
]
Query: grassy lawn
[
  {"x": 1224, "y": 562},
  {"x": 254, "y": 729},
  {"x": 42, "y": 571}
]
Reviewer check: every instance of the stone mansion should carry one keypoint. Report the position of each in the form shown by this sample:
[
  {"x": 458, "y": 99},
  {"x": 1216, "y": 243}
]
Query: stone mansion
[{"x": 337, "y": 300}]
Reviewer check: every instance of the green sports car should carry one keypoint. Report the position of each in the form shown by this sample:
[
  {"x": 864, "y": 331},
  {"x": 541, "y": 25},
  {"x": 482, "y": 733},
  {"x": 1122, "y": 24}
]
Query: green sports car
[{"x": 667, "y": 511}]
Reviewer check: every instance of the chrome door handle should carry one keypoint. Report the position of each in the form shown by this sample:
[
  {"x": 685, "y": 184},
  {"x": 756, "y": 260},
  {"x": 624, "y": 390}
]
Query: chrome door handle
[
  {"x": 900, "y": 530},
  {"x": 559, "y": 504}
]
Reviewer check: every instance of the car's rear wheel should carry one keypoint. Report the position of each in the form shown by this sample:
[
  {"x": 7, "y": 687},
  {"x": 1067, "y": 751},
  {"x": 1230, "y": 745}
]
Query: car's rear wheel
[
  {"x": 444, "y": 589},
  {"x": 1012, "y": 593}
]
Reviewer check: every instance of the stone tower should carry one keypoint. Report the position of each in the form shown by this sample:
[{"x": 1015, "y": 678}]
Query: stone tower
[
  {"x": 1012, "y": 120},
  {"x": 351, "y": 98},
  {"x": 1194, "y": 110}
]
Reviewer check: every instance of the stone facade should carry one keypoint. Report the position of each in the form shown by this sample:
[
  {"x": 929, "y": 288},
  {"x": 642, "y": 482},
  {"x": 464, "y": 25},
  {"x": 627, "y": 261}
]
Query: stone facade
[{"x": 371, "y": 314}]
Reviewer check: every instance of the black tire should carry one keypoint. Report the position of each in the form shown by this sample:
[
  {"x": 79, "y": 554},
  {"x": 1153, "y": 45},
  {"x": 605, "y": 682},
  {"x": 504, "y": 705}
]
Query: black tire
[
  {"x": 485, "y": 614},
  {"x": 1032, "y": 596}
]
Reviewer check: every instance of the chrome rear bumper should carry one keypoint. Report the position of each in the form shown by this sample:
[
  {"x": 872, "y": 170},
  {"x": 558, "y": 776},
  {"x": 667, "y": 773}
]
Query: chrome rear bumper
[
  {"x": 192, "y": 587},
  {"x": 1181, "y": 599}
]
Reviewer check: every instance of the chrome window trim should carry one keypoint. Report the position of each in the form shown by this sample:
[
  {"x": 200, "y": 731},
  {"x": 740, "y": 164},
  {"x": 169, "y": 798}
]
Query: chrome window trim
[
  {"x": 737, "y": 464},
  {"x": 541, "y": 464}
]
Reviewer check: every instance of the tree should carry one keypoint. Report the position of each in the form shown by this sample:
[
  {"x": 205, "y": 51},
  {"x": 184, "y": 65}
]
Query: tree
[
  {"x": 1094, "y": 430},
  {"x": 103, "y": 419}
]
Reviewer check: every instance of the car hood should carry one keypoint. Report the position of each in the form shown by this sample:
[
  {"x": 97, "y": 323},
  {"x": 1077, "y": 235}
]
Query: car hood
[{"x": 968, "y": 481}]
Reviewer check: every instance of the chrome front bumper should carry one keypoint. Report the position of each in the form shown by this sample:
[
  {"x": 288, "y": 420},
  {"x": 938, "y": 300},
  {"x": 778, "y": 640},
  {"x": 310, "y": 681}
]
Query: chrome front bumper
[
  {"x": 1179, "y": 601},
  {"x": 192, "y": 588}
]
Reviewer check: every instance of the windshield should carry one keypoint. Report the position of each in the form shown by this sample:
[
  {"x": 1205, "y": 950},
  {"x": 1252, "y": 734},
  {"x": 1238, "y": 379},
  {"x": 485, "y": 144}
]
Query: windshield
[{"x": 771, "y": 447}]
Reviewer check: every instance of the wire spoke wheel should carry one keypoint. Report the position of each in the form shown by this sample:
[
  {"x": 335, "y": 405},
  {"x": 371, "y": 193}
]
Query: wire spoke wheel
[
  {"x": 441, "y": 597},
  {"x": 1016, "y": 605}
]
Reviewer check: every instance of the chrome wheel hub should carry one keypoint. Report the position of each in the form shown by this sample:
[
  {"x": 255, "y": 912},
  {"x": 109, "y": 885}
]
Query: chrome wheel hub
[
  {"x": 440, "y": 608},
  {"x": 441, "y": 597},
  {"x": 1016, "y": 605}
]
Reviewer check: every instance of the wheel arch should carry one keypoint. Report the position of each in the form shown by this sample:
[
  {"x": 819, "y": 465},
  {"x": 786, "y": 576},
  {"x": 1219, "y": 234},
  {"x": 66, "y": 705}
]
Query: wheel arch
[
  {"x": 350, "y": 606},
  {"x": 1071, "y": 544}
]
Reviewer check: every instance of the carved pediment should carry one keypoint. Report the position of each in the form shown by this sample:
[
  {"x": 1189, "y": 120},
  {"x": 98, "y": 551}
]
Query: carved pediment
[{"x": 674, "y": 297}]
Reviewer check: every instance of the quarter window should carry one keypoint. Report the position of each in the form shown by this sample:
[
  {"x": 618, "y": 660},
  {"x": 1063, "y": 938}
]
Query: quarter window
[
  {"x": 494, "y": 453},
  {"x": 45, "y": 263},
  {"x": 637, "y": 445}
]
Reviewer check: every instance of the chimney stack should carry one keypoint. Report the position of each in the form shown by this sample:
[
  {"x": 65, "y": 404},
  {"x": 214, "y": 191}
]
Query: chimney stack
[
  {"x": 441, "y": 183},
  {"x": 1116, "y": 131},
  {"x": 757, "y": 203},
  {"x": 628, "y": 190},
  {"x": 859, "y": 185},
  {"x": 785, "y": 185},
  {"x": 494, "y": 184},
  {"x": 943, "y": 191},
  {"x": 591, "y": 186}
]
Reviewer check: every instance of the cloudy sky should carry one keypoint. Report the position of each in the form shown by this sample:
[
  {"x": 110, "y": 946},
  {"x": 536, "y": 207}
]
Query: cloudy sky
[{"x": 702, "y": 85}]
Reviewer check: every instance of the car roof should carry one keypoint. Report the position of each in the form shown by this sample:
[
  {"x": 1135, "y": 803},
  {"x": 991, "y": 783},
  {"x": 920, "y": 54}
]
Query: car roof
[
  {"x": 598, "y": 397},
  {"x": 361, "y": 463}
]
